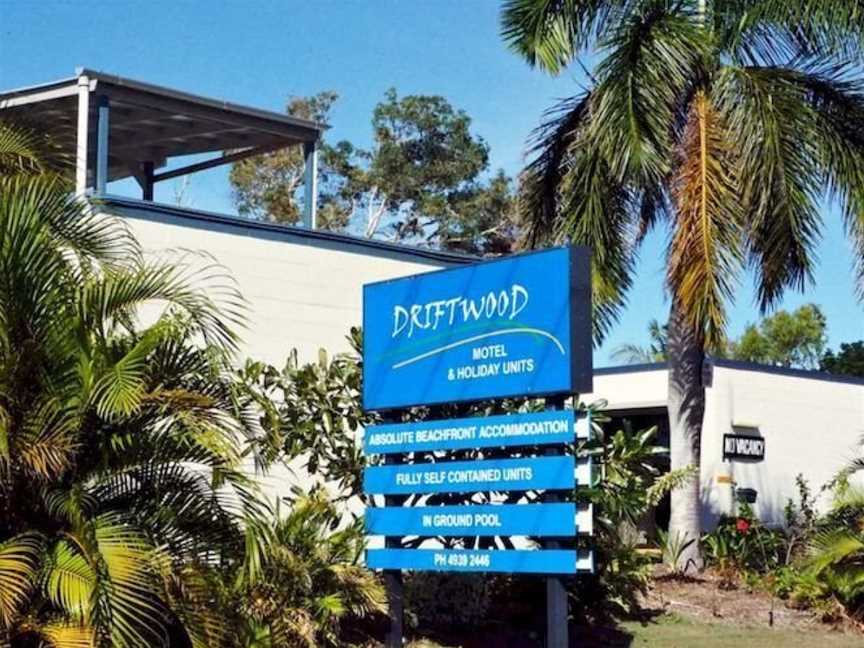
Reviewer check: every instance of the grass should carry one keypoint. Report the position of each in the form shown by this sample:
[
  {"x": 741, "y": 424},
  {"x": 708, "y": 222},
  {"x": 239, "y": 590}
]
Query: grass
[
  {"x": 670, "y": 631},
  {"x": 674, "y": 632}
]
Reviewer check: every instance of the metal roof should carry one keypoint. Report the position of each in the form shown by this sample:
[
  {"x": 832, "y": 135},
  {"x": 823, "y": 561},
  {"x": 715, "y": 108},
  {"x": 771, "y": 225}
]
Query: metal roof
[
  {"x": 151, "y": 123},
  {"x": 740, "y": 365}
]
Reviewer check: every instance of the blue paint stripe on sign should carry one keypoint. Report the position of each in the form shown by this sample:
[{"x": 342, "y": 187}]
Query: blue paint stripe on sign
[
  {"x": 534, "y": 473},
  {"x": 535, "y": 428},
  {"x": 557, "y": 519},
  {"x": 515, "y": 561}
]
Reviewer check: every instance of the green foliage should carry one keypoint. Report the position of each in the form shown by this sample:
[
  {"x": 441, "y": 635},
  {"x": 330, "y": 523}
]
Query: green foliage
[
  {"x": 815, "y": 561},
  {"x": 127, "y": 514},
  {"x": 631, "y": 485},
  {"x": 312, "y": 411},
  {"x": 309, "y": 582},
  {"x": 266, "y": 186},
  {"x": 120, "y": 464},
  {"x": 656, "y": 351},
  {"x": 728, "y": 121},
  {"x": 673, "y": 547},
  {"x": 849, "y": 360},
  {"x": 784, "y": 339},
  {"x": 742, "y": 544},
  {"x": 421, "y": 180},
  {"x": 795, "y": 339}
]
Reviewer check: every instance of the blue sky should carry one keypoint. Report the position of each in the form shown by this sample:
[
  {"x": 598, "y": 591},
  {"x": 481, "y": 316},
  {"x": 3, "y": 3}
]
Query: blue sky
[{"x": 260, "y": 52}]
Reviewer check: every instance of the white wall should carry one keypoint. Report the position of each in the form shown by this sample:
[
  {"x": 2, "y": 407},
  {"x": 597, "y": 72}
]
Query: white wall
[
  {"x": 302, "y": 292},
  {"x": 811, "y": 426},
  {"x": 630, "y": 390}
]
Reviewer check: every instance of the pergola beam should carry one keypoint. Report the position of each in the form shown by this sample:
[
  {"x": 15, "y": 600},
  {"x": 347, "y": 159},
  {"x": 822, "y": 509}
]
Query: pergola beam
[
  {"x": 49, "y": 94},
  {"x": 178, "y": 136},
  {"x": 219, "y": 161}
]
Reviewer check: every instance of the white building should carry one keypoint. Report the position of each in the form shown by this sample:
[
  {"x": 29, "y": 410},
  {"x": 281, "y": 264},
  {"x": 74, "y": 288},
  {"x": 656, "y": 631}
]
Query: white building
[
  {"x": 303, "y": 285},
  {"x": 810, "y": 423}
]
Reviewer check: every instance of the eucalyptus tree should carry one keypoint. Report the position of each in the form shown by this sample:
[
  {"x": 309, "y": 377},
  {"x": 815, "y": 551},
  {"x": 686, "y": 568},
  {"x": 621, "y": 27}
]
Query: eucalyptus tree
[
  {"x": 120, "y": 456},
  {"x": 728, "y": 120}
]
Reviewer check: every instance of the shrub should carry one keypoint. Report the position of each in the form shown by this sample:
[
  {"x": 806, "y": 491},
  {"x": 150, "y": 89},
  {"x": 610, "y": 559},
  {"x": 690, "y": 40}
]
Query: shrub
[{"x": 741, "y": 543}]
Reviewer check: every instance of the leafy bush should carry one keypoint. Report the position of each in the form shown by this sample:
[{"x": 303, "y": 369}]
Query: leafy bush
[
  {"x": 309, "y": 581},
  {"x": 741, "y": 544},
  {"x": 313, "y": 412},
  {"x": 813, "y": 562}
]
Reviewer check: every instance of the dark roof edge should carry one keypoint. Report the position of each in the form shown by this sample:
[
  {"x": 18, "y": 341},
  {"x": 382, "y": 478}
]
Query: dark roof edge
[
  {"x": 811, "y": 374},
  {"x": 631, "y": 368},
  {"x": 59, "y": 83},
  {"x": 740, "y": 365},
  {"x": 250, "y": 225}
]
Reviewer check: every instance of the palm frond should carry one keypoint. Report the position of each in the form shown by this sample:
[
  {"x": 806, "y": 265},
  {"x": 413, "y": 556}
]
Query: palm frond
[
  {"x": 549, "y": 34},
  {"x": 551, "y": 145},
  {"x": 190, "y": 592},
  {"x": 779, "y": 160},
  {"x": 776, "y": 31},
  {"x": 20, "y": 150},
  {"x": 634, "y": 354},
  {"x": 116, "y": 297},
  {"x": 70, "y": 579},
  {"x": 121, "y": 388},
  {"x": 46, "y": 443},
  {"x": 705, "y": 252},
  {"x": 834, "y": 95},
  {"x": 19, "y": 571},
  {"x": 652, "y": 63},
  {"x": 127, "y": 598},
  {"x": 62, "y": 634},
  {"x": 832, "y": 548}
]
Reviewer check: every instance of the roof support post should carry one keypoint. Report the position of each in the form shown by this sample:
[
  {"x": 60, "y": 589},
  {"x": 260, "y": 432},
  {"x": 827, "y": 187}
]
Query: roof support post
[
  {"x": 82, "y": 143},
  {"x": 102, "y": 125},
  {"x": 310, "y": 184},
  {"x": 147, "y": 181}
]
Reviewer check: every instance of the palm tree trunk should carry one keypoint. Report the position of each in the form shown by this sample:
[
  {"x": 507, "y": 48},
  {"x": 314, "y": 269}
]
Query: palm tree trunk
[{"x": 686, "y": 405}]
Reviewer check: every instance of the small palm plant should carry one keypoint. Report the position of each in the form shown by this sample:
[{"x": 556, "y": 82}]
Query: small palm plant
[
  {"x": 834, "y": 569},
  {"x": 309, "y": 582},
  {"x": 120, "y": 479}
]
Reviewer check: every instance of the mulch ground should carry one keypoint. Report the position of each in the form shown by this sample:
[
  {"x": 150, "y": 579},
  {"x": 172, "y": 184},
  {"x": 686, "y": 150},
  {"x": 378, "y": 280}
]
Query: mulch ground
[{"x": 707, "y": 599}]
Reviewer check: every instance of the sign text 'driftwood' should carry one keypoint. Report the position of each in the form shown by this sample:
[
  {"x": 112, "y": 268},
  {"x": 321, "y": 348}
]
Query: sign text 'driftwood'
[{"x": 518, "y": 326}]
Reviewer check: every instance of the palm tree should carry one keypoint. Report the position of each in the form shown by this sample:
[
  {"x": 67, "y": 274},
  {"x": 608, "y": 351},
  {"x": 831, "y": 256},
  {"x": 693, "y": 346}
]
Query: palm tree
[
  {"x": 120, "y": 463},
  {"x": 654, "y": 352},
  {"x": 729, "y": 120},
  {"x": 309, "y": 582}
]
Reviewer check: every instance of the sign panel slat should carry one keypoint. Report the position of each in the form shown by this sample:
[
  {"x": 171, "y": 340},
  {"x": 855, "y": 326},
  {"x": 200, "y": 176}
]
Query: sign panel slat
[
  {"x": 517, "y": 326},
  {"x": 531, "y": 473},
  {"x": 558, "y": 519},
  {"x": 514, "y": 561},
  {"x": 534, "y": 428}
]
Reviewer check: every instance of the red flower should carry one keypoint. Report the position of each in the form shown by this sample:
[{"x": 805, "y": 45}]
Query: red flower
[{"x": 742, "y": 525}]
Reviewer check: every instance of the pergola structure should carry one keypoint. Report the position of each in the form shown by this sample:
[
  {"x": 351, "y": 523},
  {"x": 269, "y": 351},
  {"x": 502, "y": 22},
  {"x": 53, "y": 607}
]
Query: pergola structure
[{"x": 117, "y": 128}]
